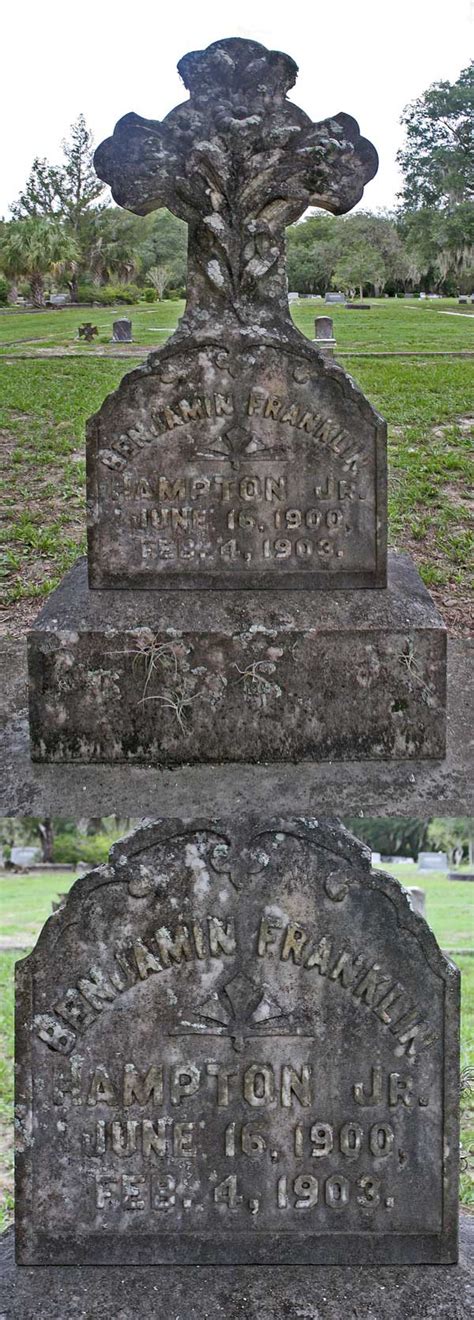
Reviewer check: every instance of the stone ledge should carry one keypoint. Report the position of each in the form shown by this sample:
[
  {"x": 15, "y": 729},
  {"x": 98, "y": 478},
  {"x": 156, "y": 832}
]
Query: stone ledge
[
  {"x": 416, "y": 1292},
  {"x": 385, "y": 787},
  {"x": 172, "y": 678},
  {"x": 405, "y": 603}
]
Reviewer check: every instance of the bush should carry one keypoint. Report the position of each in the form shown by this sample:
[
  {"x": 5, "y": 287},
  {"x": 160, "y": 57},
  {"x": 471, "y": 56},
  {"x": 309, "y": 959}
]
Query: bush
[
  {"x": 149, "y": 295},
  {"x": 65, "y": 849},
  {"x": 107, "y": 295},
  {"x": 94, "y": 848},
  {"x": 69, "y": 849},
  {"x": 172, "y": 295},
  {"x": 4, "y": 288}
]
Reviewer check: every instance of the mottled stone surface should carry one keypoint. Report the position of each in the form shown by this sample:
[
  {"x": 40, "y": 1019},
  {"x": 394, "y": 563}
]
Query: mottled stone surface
[
  {"x": 237, "y": 466},
  {"x": 180, "y": 677},
  {"x": 441, "y": 787},
  {"x": 237, "y": 458},
  {"x": 236, "y": 1043},
  {"x": 122, "y": 330},
  {"x": 241, "y": 1292}
]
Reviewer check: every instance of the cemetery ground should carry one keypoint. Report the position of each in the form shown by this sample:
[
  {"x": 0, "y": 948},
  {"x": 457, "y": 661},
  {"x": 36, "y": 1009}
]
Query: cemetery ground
[
  {"x": 26, "y": 903},
  {"x": 412, "y": 358}
]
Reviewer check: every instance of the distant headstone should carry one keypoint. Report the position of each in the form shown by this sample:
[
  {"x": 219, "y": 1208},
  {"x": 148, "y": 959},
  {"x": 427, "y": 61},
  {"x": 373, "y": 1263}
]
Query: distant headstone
[
  {"x": 463, "y": 298},
  {"x": 334, "y": 297},
  {"x": 418, "y": 899},
  {"x": 324, "y": 337},
  {"x": 293, "y": 297},
  {"x": 432, "y": 861},
  {"x": 323, "y": 326},
  {"x": 236, "y": 1044},
  {"x": 23, "y": 856},
  {"x": 59, "y": 299},
  {"x": 122, "y": 331},
  {"x": 358, "y": 306}
]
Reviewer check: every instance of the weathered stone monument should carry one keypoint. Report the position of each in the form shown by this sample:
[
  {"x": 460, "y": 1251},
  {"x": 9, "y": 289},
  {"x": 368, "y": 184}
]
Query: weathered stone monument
[
  {"x": 324, "y": 335},
  {"x": 237, "y": 1044},
  {"x": 237, "y": 604},
  {"x": 122, "y": 331}
]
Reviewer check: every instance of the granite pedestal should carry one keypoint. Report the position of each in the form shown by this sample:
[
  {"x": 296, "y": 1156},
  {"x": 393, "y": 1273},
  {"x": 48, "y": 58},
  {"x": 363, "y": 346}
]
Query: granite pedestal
[
  {"x": 180, "y": 678},
  {"x": 414, "y": 1292}
]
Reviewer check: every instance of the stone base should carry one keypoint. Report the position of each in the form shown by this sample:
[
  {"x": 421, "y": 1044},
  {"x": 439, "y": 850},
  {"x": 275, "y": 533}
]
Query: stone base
[
  {"x": 414, "y": 1292},
  {"x": 180, "y": 678}
]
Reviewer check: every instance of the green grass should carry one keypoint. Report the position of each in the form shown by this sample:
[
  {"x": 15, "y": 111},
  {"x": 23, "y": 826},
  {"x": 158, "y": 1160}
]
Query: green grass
[
  {"x": 427, "y": 403},
  {"x": 26, "y": 904},
  {"x": 449, "y": 904},
  {"x": 25, "y": 331},
  {"x": 393, "y": 324},
  {"x": 26, "y": 901}
]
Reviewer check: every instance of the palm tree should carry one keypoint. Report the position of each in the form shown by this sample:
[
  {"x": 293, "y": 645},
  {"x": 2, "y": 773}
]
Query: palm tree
[
  {"x": 113, "y": 248},
  {"x": 32, "y": 248}
]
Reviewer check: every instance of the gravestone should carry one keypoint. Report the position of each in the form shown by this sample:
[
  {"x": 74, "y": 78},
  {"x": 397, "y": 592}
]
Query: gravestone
[
  {"x": 242, "y": 469},
  {"x": 237, "y": 1044},
  {"x": 335, "y": 297},
  {"x": 24, "y": 856},
  {"x": 432, "y": 861},
  {"x": 418, "y": 899},
  {"x": 122, "y": 331},
  {"x": 324, "y": 337}
]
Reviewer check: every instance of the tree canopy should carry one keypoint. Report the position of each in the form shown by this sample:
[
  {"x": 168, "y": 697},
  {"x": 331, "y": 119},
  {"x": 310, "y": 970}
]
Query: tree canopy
[
  {"x": 67, "y": 190},
  {"x": 427, "y": 244},
  {"x": 437, "y": 160},
  {"x": 33, "y": 247}
]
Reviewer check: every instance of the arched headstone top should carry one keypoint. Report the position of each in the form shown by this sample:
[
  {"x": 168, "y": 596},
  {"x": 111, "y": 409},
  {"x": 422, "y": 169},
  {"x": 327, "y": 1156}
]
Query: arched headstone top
[{"x": 230, "y": 1023}]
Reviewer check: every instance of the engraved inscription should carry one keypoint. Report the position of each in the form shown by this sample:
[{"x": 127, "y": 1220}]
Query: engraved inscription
[
  {"x": 245, "y": 1028},
  {"x": 265, "y": 477}
]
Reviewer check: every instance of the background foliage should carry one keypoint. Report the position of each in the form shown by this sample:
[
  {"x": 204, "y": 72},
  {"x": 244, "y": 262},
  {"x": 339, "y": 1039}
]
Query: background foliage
[{"x": 427, "y": 243}]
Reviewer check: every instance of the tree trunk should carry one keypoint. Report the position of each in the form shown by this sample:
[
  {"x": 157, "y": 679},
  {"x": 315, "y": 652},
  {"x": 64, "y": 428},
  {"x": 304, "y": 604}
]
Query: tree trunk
[
  {"x": 36, "y": 286},
  {"x": 72, "y": 285},
  {"x": 360, "y": 292},
  {"x": 94, "y": 825},
  {"x": 46, "y": 833}
]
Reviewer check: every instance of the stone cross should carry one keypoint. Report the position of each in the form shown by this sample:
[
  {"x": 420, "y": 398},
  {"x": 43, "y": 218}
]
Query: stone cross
[{"x": 238, "y": 162}]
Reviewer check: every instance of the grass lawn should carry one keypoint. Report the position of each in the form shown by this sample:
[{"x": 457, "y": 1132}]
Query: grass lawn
[
  {"x": 25, "y": 903},
  {"x": 27, "y": 331},
  {"x": 427, "y": 401}
]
